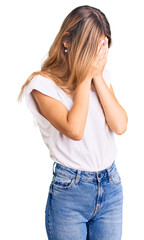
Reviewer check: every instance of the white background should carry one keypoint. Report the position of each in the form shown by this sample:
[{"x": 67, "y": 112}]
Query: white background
[{"x": 28, "y": 29}]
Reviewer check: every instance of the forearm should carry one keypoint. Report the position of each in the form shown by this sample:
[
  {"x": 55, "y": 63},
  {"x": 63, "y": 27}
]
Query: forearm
[
  {"x": 115, "y": 114},
  {"x": 78, "y": 114}
]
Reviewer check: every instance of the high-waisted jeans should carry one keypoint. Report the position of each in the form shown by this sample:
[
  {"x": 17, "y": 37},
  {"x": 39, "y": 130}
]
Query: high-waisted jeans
[{"x": 84, "y": 205}]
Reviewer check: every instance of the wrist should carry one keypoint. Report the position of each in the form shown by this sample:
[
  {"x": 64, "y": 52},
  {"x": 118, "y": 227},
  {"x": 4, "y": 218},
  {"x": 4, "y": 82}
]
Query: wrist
[
  {"x": 97, "y": 78},
  {"x": 85, "y": 83},
  {"x": 88, "y": 80}
]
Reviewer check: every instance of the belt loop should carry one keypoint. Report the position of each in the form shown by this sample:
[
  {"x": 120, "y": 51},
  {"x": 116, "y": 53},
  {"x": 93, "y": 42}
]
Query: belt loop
[
  {"x": 53, "y": 167},
  {"x": 108, "y": 173},
  {"x": 78, "y": 173}
]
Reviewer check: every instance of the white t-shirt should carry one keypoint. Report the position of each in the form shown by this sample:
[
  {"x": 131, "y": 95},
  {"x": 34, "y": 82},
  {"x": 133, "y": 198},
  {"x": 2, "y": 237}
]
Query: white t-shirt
[{"x": 96, "y": 150}]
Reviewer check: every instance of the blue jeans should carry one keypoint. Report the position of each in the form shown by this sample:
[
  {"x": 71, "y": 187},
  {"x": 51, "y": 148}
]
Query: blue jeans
[{"x": 84, "y": 205}]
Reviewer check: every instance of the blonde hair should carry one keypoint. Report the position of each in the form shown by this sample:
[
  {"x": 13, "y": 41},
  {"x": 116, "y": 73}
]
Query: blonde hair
[{"x": 83, "y": 28}]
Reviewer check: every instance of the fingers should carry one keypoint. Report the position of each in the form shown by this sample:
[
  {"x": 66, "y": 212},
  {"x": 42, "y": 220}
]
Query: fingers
[
  {"x": 103, "y": 51},
  {"x": 102, "y": 54},
  {"x": 103, "y": 44},
  {"x": 101, "y": 57}
]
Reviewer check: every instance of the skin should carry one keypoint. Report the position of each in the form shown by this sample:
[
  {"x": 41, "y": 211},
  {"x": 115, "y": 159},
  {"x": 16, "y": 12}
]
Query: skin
[
  {"x": 72, "y": 123},
  {"x": 115, "y": 114}
]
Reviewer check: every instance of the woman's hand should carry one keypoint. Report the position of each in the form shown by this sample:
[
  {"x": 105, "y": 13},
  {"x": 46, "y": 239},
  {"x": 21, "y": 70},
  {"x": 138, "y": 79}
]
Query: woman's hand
[{"x": 101, "y": 59}]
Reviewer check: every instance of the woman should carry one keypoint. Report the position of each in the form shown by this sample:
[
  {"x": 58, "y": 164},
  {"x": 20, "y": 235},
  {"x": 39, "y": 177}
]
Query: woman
[{"x": 77, "y": 112}]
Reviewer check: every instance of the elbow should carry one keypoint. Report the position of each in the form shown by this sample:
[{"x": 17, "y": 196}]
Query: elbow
[
  {"x": 122, "y": 129},
  {"x": 76, "y": 135}
]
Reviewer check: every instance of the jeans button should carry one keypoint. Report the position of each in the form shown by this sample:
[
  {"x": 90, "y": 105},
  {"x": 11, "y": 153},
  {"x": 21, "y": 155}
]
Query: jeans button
[{"x": 100, "y": 174}]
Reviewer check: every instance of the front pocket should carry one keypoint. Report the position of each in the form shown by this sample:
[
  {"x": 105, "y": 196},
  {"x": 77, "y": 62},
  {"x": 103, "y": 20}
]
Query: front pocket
[
  {"x": 62, "y": 182},
  {"x": 115, "y": 177}
]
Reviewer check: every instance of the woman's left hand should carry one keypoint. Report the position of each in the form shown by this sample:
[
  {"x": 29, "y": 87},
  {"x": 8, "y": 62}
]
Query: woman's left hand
[{"x": 101, "y": 57}]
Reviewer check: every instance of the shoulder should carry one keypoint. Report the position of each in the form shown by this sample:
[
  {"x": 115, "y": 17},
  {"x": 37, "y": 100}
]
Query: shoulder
[
  {"x": 43, "y": 85},
  {"x": 42, "y": 80}
]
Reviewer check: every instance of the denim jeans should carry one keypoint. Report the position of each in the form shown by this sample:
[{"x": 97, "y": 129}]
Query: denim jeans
[{"x": 84, "y": 205}]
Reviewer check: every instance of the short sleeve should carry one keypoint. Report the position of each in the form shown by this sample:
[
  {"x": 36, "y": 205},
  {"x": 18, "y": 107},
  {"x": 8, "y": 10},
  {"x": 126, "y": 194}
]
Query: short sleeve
[
  {"x": 107, "y": 77},
  {"x": 45, "y": 86}
]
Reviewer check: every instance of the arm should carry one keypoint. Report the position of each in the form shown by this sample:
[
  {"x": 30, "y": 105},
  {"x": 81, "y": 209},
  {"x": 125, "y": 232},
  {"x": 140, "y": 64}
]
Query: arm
[
  {"x": 70, "y": 123},
  {"x": 115, "y": 114}
]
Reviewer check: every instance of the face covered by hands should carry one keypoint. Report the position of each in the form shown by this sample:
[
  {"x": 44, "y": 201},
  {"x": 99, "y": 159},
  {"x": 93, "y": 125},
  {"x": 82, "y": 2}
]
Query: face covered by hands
[{"x": 101, "y": 58}]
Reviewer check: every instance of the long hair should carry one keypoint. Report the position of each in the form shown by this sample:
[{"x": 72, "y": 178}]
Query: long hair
[{"x": 82, "y": 28}]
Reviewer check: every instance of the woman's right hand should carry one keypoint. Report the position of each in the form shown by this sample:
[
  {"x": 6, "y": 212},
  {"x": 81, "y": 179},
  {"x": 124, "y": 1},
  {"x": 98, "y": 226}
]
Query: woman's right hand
[{"x": 99, "y": 63}]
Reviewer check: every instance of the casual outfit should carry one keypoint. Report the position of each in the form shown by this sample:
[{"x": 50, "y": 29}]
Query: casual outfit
[
  {"x": 96, "y": 150},
  {"x": 86, "y": 190}
]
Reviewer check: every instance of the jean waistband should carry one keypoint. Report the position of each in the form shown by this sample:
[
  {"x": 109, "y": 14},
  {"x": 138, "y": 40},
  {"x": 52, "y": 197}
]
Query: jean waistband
[{"x": 70, "y": 172}]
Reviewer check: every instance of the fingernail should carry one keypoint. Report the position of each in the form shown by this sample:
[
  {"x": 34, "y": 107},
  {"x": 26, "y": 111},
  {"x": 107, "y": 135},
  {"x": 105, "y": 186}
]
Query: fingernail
[{"x": 102, "y": 41}]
